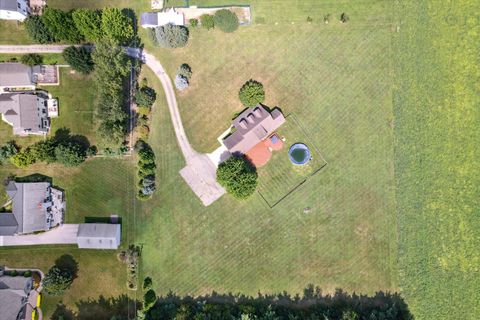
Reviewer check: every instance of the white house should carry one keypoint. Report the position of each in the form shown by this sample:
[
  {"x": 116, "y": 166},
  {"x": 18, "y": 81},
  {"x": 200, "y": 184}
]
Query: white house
[
  {"x": 156, "y": 19},
  {"x": 14, "y": 9}
]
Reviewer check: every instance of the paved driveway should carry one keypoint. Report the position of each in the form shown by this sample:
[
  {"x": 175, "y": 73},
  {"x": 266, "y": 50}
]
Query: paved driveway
[{"x": 65, "y": 234}]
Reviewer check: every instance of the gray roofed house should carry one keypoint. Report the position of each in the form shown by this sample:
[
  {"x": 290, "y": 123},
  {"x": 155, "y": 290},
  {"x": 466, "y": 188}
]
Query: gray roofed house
[
  {"x": 26, "y": 113},
  {"x": 34, "y": 208},
  {"x": 14, "y": 9},
  {"x": 98, "y": 236},
  {"x": 251, "y": 127},
  {"x": 14, "y": 76},
  {"x": 14, "y": 297}
]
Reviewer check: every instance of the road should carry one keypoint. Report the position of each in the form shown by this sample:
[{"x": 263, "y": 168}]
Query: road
[
  {"x": 200, "y": 171},
  {"x": 64, "y": 234}
]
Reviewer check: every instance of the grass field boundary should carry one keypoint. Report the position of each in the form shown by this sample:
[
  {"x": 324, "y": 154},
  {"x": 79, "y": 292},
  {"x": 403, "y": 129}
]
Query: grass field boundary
[{"x": 292, "y": 117}]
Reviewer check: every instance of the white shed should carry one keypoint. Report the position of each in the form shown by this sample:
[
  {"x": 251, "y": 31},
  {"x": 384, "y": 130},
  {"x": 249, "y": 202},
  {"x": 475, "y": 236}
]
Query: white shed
[{"x": 98, "y": 236}]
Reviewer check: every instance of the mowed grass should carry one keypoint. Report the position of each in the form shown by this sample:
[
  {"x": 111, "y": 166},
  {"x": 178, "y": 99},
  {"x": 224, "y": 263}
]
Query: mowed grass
[
  {"x": 12, "y": 32},
  {"x": 437, "y": 123},
  {"x": 280, "y": 177},
  {"x": 337, "y": 79}
]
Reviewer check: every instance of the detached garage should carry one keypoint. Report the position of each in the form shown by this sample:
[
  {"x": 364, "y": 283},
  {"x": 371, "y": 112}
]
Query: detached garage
[{"x": 98, "y": 236}]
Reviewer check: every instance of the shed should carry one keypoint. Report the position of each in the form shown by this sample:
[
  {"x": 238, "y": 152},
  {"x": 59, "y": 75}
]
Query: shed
[{"x": 99, "y": 236}]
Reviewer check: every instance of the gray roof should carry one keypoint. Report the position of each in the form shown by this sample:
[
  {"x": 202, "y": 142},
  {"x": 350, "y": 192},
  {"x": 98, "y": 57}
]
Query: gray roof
[
  {"x": 149, "y": 18},
  {"x": 98, "y": 236},
  {"x": 14, "y": 296},
  {"x": 252, "y": 126},
  {"x": 15, "y": 74},
  {"x": 29, "y": 201},
  {"x": 10, "y": 5},
  {"x": 21, "y": 111},
  {"x": 8, "y": 224}
]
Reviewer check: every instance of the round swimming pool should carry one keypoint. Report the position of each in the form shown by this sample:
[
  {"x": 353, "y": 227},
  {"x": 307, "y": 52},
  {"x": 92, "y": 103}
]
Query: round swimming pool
[{"x": 299, "y": 154}]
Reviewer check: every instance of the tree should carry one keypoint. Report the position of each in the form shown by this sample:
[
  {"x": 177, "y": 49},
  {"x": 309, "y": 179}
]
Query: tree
[
  {"x": 185, "y": 71},
  {"x": 147, "y": 283},
  {"x": 44, "y": 151},
  {"x": 252, "y": 93},
  {"x": 31, "y": 59},
  {"x": 60, "y": 25},
  {"x": 149, "y": 300},
  {"x": 56, "y": 281},
  {"x": 193, "y": 23},
  {"x": 207, "y": 21},
  {"x": 24, "y": 158},
  {"x": 88, "y": 23},
  {"x": 7, "y": 151},
  {"x": 226, "y": 20},
  {"x": 145, "y": 97},
  {"x": 70, "y": 154},
  {"x": 181, "y": 83},
  {"x": 238, "y": 177},
  {"x": 80, "y": 59},
  {"x": 171, "y": 36},
  {"x": 117, "y": 26},
  {"x": 37, "y": 30}
]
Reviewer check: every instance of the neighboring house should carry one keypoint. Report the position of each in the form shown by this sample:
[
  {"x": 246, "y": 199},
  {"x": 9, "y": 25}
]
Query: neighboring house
[
  {"x": 16, "y": 77},
  {"x": 14, "y": 9},
  {"x": 27, "y": 113},
  {"x": 36, "y": 206},
  {"x": 251, "y": 127},
  {"x": 18, "y": 298},
  {"x": 98, "y": 236},
  {"x": 155, "y": 19}
]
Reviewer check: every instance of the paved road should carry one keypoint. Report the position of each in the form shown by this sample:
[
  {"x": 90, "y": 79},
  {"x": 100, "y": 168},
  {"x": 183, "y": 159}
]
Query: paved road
[
  {"x": 64, "y": 234},
  {"x": 200, "y": 172}
]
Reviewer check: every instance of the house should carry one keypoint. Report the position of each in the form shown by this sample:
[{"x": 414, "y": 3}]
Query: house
[
  {"x": 14, "y": 9},
  {"x": 155, "y": 19},
  {"x": 36, "y": 206},
  {"x": 18, "y": 299},
  {"x": 251, "y": 127},
  {"x": 98, "y": 236},
  {"x": 16, "y": 77},
  {"x": 27, "y": 113}
]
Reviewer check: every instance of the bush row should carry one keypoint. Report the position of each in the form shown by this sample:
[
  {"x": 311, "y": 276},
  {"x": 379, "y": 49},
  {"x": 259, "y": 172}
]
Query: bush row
[{"x": 146, "y": 171}]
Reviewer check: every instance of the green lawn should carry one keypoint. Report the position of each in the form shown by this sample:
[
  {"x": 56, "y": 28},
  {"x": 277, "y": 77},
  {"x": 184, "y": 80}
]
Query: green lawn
[
  {"x": 437, "y": 123},
  {"x": 12, "y": 32},
  {"x": 337, "y": 79}
]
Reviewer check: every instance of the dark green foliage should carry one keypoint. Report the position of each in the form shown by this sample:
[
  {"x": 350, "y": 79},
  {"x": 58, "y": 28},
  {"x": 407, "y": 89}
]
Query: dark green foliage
[
  {"x": 27, "y": 274},
  {"x": 185, "y": 70},
  {"x": 193, "y": 23},
  {"x": 147, "y": 283},
  {"x": 149, "y": 299},
  {"x": 226, "y": 20},
  {"x": 56, "y": 281},
  {"x": 70, "y": 155},
  {"x": 7, "y": 151},
  {"x": 60, "y": 25},
  {"x": 145, "y": 97},
  {"x": 344, "y": 18},
  {"x": 146, "y": 171},
  {"x": 252, "y": 93},
  {"x": 44, "y": 151},
  {"x": 80, "y": 59},
  {"x": 171, "y": 36},
  {"x": 88, "y": 23},
  {"x": 207, "y": 21},
  {"x": 238, "y": 177},
  {"x": 31, "y": 59},
  {"x": 117, "y": 26},
  {"x": 37, "y": 30}
]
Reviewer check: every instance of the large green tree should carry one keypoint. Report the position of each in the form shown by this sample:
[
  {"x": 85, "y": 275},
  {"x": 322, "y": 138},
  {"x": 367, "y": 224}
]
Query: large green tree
[
  {"x": 37, "y": 30},
  {"x": 171, "y": 36},
  {"x": 117, "y": 26},
  {"x": 252, "y": 93},
  {"x": 56, "y": 281},
  {"x": 238, "y": 177},
  {"x": 70, "y": 155},
  {"x": 88, "y": 23},
  {"x": 226, "y": 20},
  {"x": 60, "y": 25},
  {"x": 80, "y": 59}
]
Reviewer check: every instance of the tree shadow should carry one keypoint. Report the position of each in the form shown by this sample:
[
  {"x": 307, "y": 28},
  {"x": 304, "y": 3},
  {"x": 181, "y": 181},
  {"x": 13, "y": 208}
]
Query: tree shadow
[
  {"x": 62, "y": 312},
  {"x": 64, "y": 136},
  {"x": 67, "y": 263}
]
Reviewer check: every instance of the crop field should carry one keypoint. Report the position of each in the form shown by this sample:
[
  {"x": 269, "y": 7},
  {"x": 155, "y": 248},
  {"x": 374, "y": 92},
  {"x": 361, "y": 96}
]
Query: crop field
[{"x": 437, "y": 121}]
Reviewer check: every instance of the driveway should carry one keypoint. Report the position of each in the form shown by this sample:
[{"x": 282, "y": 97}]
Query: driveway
[{"x": 64, "y": 234}]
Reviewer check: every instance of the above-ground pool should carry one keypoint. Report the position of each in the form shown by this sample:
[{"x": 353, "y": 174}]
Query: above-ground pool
[{"x": 299, "y": 154}]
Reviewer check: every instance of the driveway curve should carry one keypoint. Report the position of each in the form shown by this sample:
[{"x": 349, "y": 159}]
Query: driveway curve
[{"x": 200, "y": 171}]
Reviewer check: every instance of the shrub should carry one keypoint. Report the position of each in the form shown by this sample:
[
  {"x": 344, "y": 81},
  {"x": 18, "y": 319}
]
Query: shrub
[
  {"x": 56, "y": 281},
  {"x": 13, "y": 273},
  {"x": 23, "y": 158},
  {"x": 70, "y": 155},
  {"x": 185, "y": 71},
  {"x": 27, "y": 274},
  {"x": 147, "y": 283},
  {"x": 344, "y": 18},
  {"x": 252, "y": 93},
  {"x": 60, "y": 25},
  {"x": 238, "y": 177},
  {"x": 193, "y": 23},
  {"x": 80, "y": 59},
  {"x": 207, "y": 21},
  {"x": 149, "y": 299},
  {"x": 88, "y": 23},
  {"x": 44, "y": 151},
  {"x": 145, "y": 97},
  {"x": 171, "y": 36},
  {"x": 143, "y": 132},
  {"x": 7, "y": 151},
  {"x": 226, "y": 20},
  {"x": 181, "y": 83},
  {"x": 31, "y": 59},
  {"x": 117, "y": 26},
  {"x": 37, "y": 30}
]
